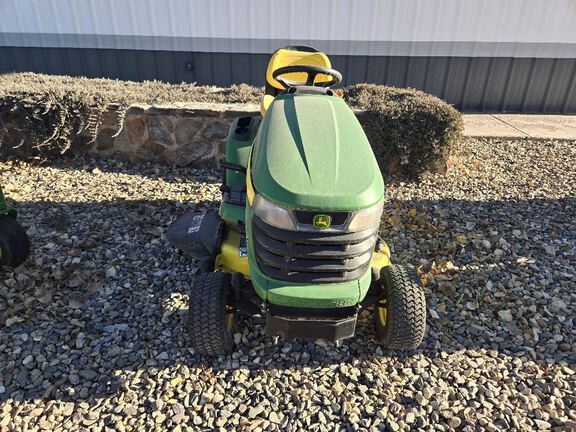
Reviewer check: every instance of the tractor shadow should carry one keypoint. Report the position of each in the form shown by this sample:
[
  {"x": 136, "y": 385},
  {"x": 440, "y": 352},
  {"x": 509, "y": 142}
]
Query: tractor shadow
[
  {"x": 103, "y": 297},
  {"x": 145, "y": 169}
]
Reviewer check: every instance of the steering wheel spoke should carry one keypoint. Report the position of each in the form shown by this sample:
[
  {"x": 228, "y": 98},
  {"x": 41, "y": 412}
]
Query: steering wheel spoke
[{"x": 311, "y": 78}]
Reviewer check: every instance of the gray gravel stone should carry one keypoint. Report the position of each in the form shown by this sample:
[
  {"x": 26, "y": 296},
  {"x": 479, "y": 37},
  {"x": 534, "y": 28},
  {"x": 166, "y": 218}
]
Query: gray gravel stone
[
  {"x": 87, "y": 374},
  {"x": 505, "y": 315},
  {"x": 84, "y": 347},
  {"x": 255, "y": 411},
  {"x": 454, "y": 422}
]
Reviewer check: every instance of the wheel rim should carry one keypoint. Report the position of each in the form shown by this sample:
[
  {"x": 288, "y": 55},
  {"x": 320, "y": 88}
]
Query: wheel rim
[{"x": 382, "y": 310}]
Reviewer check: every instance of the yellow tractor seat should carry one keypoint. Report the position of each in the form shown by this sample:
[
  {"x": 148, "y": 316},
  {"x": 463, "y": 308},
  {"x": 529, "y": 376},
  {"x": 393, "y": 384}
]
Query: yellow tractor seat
[{"x": 292, "y": 56}]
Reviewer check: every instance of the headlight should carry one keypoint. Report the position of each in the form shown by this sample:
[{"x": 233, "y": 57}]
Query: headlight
[
  {"x": 363, "y": 219},
  {"x": 272, "y": 213},
  {"x": 282, "y": 217}
]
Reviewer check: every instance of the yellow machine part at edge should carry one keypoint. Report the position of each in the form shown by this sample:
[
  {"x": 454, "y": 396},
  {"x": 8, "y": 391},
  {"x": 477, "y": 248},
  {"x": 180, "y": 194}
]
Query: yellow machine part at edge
[
  {"x": 229, "y": 258},
  {"x": 381, "y": 258}
]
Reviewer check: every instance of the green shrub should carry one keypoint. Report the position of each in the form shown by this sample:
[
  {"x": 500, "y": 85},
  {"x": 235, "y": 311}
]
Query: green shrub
[{"x": 409, "y": 130}]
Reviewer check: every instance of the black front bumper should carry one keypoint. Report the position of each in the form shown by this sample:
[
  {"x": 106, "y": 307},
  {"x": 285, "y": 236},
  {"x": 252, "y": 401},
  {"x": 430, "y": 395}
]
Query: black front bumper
[{"x": 298, "y": 327}]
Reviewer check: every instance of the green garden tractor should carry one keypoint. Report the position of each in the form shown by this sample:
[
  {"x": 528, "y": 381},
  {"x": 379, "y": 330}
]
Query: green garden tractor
[
  {"x": 14, "y": 242},
  {"x": 295, "y": 241}
]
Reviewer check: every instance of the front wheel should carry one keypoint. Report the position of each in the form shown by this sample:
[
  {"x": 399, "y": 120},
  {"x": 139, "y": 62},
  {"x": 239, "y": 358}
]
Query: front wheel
[
  {"x": 210, "y": 318},
  {"x": 14, "y": 242},
  {"x": 401, "y": 311}
]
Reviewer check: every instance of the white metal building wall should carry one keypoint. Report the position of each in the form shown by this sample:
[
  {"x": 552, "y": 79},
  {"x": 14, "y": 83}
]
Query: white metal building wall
[
  {"x": 524, "y": 45},
  {"x": 495, "y": 28}
]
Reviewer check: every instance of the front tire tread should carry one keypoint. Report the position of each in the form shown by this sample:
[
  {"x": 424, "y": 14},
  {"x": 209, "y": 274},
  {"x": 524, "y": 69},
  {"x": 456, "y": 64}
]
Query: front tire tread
[
  {"x": 406, "y": 316},
  {"x": 209, "y": 334}
]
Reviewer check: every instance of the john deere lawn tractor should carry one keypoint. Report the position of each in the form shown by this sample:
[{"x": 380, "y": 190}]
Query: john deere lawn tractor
[
  {"x": 295, "y": 241},
  {"x": 14, "y": 243}
]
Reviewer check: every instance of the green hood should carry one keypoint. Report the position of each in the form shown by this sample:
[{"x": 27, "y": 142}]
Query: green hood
[{"x": 311, "y": 152}]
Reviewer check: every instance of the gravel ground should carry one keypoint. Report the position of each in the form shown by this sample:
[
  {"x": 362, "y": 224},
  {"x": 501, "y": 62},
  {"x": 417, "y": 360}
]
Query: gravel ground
[{"x": 91, "y": 328}]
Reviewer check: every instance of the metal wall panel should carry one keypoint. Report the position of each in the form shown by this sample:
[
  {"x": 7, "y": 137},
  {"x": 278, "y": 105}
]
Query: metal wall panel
[
  {"x": 481, "y": 55},
  {"x": 471, "y": 84}
]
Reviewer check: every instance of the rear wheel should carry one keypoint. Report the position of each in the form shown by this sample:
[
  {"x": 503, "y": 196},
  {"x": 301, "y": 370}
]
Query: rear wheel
[
  {"x": 211, "y": 319},
  {"x": 14, "y": 242},
  {"x": 401, "y": 312}
]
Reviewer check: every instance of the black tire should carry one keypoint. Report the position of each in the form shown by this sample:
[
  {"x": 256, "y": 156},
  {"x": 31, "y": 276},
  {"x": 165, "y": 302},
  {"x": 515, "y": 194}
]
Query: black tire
[
  {"x": 207, "y": 265},
  {"x": 14, "y": 242},
  {"x": 405, "y": 305},
  {"x": 210, "y": 332}
]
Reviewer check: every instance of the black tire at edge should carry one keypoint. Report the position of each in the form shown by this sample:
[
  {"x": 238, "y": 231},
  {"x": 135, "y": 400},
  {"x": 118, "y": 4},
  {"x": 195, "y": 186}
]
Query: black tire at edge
[{"x": 14, "y": 242}]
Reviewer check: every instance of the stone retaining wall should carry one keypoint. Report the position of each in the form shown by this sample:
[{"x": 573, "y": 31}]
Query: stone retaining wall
[{"x": 184, "y": 134}]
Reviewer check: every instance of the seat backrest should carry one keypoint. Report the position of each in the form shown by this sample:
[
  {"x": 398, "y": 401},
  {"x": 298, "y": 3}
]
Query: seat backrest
[{"x": 291, "y": 56}]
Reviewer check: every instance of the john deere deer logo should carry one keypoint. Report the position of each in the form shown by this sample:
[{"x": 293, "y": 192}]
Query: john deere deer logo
[{"x": 322, "y": 221}]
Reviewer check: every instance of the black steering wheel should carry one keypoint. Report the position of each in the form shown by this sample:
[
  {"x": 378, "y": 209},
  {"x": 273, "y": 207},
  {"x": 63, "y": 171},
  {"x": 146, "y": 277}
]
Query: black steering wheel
[{"x": 312, "y": 72}]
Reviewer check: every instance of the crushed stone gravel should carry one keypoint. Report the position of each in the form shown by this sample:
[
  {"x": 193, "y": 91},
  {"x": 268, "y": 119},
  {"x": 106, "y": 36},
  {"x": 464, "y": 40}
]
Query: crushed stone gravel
[{"x": 92, "y": 330}]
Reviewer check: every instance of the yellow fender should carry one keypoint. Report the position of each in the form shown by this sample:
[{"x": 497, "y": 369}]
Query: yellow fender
[
  {"x": 380, "y": 257},
  {"x": 233, "y": 256}
]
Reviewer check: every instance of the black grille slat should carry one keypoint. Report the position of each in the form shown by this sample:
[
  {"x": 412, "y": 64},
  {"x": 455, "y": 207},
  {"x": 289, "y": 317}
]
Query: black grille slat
[
  {"x": 308, "y": 256},
  {"x": 314, "y": 266},
  {"x": 308, "y": 277},
  {"x": 299, "y": 250},
  {"x": 314, "y": 237}
]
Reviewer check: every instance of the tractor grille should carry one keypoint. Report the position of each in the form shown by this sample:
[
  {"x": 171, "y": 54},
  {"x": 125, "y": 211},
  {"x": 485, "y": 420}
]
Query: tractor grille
[{"x": 305, "y": 256}]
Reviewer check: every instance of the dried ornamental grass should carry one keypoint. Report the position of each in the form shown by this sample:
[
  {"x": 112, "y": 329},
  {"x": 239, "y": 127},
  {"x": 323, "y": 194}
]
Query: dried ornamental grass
[{"x": 51, "y": 110}]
